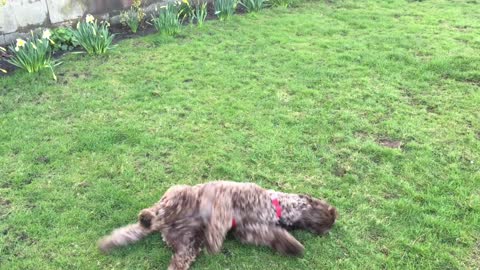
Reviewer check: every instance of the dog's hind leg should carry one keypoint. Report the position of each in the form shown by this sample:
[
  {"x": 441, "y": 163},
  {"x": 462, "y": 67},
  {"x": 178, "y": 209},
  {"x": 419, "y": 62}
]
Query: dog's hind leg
[
  {"x": 184, "y": 256},
  {"x": 217, "y": 214},
  {"x": 275, "y": 237},
  {"x": 186, "y": 245}
]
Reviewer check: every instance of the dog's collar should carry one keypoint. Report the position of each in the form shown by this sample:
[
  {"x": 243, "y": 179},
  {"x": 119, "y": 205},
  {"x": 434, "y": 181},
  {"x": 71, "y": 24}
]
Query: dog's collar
[{"x": 278, "y": 210}]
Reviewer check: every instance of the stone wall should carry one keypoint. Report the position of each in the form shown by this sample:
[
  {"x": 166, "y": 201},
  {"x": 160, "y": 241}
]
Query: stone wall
[{"x": 19, "y": 17}]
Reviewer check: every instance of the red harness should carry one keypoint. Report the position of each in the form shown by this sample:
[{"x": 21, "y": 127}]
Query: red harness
[{"x": 278, "y": 211}]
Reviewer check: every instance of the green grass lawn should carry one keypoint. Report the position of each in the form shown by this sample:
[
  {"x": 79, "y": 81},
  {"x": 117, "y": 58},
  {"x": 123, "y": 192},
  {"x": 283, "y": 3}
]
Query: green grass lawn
[{"x": 373, "y": 105}]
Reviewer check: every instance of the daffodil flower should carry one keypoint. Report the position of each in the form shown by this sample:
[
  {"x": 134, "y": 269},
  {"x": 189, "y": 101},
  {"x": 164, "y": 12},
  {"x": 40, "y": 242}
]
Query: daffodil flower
[
  {"x": 3, "y": 70},
  {"x": 89, "y": 18},
  {"x": 33, "y": 45},
  {"x": 106, "y": 23},
  {"x": 20, "y": 42},
  {"x": 46, "y": 34}
]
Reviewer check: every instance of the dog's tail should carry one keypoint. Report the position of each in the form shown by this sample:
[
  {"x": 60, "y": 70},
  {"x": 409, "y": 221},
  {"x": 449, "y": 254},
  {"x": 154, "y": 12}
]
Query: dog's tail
[{"x": 129, "y": 234}]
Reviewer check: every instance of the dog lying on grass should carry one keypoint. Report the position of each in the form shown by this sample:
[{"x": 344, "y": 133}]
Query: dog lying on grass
[{"x": 194, "y": 217}]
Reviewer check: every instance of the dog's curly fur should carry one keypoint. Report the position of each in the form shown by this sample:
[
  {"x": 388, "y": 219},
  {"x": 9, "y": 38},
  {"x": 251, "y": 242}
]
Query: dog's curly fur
[{"x": 194, "y": 217}]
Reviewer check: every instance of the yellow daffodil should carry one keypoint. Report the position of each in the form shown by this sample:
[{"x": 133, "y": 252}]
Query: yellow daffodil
[
  {"x": 89, "y": 18},
  {"x": 46, "y": 34},
  {"x": 3, "y": 70},
  {"x": 20, "y": 42}
]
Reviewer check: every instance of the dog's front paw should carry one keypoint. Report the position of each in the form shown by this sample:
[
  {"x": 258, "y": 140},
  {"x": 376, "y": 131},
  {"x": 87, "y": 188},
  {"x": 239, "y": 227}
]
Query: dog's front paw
[{"x": 288, "y": 245}]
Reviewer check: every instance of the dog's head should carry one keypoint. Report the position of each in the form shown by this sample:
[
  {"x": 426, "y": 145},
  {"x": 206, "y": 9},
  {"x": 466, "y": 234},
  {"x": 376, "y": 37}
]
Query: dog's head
[{"x": 318, "y": 216}]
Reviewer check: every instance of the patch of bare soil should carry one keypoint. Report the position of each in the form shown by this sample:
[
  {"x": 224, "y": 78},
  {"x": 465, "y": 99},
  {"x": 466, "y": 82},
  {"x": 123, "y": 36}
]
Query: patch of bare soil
[
  {"x": 4, "y": 207},
  {"x": 394, "y": 144},
  {"x": 339, "y": 171},
  {"x": 475, "y": 258}
]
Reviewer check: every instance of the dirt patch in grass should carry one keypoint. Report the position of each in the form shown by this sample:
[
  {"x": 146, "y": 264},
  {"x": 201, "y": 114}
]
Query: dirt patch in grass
[
  {"x": 339, "y": 171},
  {"x": 14, "y": 240},
  {"x": 42, "y": 160},
  {"x": 5, "y": 206},
  {"x": 472, "y": 81},
  {"x": 6, "y": 66},
  {"x": 390, "y": 143},
  {"x": 475, "y": 258}
]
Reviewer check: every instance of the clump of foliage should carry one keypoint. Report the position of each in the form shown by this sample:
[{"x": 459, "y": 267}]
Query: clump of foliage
[
  {"x": 133, "y": 17},
  {"x": 283, "y": 3},
  {"x": 62, "y": 38},
  {"x": 3, "y": 53},
  {"x": 186, "y": 11},
  {"x": 167, "y": 21},
  {"x": 253, "y": 5},
  {"x": 197, "y": 11},
  {"x": 224, "y": 9},
  {"x": 33, "y": 55},
  {"x": 93, "y": 36},
  {"x": 200, "y": 12}
]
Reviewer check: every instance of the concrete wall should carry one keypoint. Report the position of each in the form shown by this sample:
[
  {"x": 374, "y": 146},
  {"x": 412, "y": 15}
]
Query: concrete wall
[{"x": 19, "y": 17}]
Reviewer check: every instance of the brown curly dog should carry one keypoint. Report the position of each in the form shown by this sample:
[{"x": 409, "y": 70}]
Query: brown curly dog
[{"x": 192, "y": 217}]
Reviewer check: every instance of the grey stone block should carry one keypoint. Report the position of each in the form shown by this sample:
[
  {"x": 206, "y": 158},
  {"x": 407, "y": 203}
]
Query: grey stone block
[
  {"x": 64, "y": 10},
  {"x": 115, "y": 19},
  {"x": 8, "y": 24},
  {"x": 106, "y": 6},
  {"x": 29, "y": 12},
  {"x": 11, "y": 37},
  {"x": 153, "y": 8}
]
